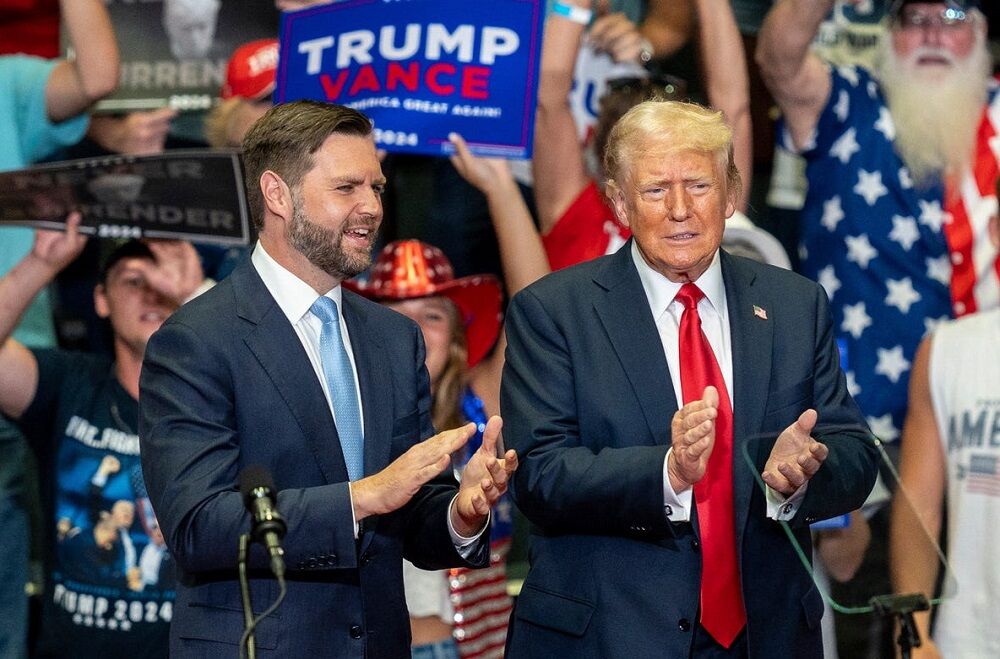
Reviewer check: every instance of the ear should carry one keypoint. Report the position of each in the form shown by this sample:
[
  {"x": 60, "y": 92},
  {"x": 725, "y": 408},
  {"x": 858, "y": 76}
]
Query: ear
[
  {"x": 730, "y": 207},
  {"x": 616, "y": 196},
  {"x": 101, "y": 301},
  {"x": 277, "y": 195}
]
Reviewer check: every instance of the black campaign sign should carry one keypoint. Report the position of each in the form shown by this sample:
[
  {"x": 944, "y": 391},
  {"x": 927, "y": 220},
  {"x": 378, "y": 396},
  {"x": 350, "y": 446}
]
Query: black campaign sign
[{"x": 195, "y": 195}]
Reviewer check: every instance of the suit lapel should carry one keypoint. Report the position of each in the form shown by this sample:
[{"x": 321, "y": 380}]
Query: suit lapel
[
  {"x": 373, "y": 380},
  {"x": 752, "y": 338},
  {"x": 277, "y": 347},
  {"x": 623, "y": 309}
]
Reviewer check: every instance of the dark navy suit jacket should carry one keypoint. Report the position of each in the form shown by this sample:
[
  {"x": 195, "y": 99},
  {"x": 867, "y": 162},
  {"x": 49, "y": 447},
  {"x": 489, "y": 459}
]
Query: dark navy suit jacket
[
  {"x": 587, "y": 402},
  {"x": 226, "y": 383}
]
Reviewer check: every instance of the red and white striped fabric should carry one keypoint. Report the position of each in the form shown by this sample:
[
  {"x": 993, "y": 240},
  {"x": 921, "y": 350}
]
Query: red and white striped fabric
[
  {"x": 975, "y": 274},
  {"x": 481, "y": 606}
]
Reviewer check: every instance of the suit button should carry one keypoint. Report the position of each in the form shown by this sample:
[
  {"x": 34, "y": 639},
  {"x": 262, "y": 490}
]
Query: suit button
[
  {"x": 684, "y": 625},
  {"x": 312, "y": 564},
  {"x": 356, "y": 631},
  {"x": 695, "y": 545}
]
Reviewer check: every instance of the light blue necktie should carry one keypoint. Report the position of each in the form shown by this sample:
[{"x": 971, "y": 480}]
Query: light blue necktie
[{"x": 343, "y": 389}]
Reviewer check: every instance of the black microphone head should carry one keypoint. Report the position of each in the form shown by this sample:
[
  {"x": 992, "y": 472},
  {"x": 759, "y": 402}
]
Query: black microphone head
[{"x": 254, "y": 477}]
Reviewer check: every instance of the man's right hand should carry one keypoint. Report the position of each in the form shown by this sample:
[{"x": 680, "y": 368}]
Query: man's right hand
[
  {"x": 393, "y": 487},
  {"x": 692, "y": 433}
]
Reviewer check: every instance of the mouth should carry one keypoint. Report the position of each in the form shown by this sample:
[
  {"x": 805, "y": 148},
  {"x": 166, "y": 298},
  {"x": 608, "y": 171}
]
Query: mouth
[
  {"x": 361, "y": 235},
  {"x": 933, "y": 60},
  {"x": 683, "y": 237}
]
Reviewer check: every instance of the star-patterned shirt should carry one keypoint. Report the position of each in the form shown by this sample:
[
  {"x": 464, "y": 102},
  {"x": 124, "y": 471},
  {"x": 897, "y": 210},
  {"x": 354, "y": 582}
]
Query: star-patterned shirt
[{"x": 875, "y": 242}]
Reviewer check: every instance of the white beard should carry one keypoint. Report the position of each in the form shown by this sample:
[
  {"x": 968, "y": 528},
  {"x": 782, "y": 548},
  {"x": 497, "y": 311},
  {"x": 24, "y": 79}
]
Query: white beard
[{"x": 936, "y": 112}]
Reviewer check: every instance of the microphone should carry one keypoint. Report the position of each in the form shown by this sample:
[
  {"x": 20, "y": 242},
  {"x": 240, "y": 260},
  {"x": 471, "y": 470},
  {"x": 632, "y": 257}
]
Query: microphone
[{"x": 268, "y": 527}]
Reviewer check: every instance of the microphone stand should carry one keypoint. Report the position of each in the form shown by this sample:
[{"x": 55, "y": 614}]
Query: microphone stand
[
  {"x": 901, "y": 609},
  {"x": 250, "y": 623},
  {"x": 250, "y": 645}
]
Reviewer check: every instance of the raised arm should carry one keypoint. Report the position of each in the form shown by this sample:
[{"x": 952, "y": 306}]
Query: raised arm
[
  {"x": 93, "y": 73},
  {"x": 560, "y": 170},
  {"x": 916, "y": 509},
  {"x": 668, "y": 25},
  {"x": 727, "y": 81},
  {"x": 521, "y": 253},
  {"x": 798, "y": 79},
  {"x": 52, "y": 252}
]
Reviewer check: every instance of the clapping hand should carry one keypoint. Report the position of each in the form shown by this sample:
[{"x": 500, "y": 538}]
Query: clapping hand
[
  {"x": 484, "y": 481},
  {"x": 796, "y": 456}
]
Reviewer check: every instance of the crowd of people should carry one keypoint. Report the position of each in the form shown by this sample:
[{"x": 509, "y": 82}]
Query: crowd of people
[{"x": 623, "y": 301}]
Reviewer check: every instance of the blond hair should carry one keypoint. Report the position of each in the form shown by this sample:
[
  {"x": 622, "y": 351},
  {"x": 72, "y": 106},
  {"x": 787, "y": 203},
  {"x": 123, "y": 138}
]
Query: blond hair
[
  {"x": 446, "y": 406},
  {"x": 684, "y": 126}
]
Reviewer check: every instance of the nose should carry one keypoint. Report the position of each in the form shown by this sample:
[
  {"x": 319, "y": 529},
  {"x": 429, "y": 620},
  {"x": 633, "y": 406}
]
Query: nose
[
  {"x": 678, "y": 203},
  {"x": 933, "y": 35},
  {"x": 152, "y": 296},
  {"x": 370, "y": 203}
]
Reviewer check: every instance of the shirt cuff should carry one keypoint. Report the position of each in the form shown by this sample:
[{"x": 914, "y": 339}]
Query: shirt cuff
[
  {"x": 462, "y": 544},
  {"x": 354, "y": 520},
  {"x": 676, "y": 506},
  {"x": 781, "y": 508}
]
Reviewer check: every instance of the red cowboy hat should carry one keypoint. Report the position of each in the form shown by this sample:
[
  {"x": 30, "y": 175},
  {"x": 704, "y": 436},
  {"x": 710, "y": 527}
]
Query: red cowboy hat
[{"x": 408, "y": 269}]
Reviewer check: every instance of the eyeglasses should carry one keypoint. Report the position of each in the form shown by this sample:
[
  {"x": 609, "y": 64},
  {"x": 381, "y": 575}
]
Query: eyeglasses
[
  {"x": 922, "y": 19},
  {"x": 664, "y": 85}
]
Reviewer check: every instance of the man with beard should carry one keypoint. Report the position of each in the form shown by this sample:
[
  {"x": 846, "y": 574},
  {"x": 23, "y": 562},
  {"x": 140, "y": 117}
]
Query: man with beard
[
  {"x": 901, "y": 170},
  {"x": 264, "y": 369}
]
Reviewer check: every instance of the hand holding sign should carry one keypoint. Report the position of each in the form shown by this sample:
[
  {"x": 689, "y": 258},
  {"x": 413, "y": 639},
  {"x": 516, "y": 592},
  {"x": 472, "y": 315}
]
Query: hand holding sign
[
  {"x": 483, "y": 173},
  {"x": 57, "y": 249}
]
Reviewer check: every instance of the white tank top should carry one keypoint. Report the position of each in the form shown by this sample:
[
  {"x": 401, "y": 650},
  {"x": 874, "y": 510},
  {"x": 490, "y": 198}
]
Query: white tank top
[{"x": 965, "y": 390}]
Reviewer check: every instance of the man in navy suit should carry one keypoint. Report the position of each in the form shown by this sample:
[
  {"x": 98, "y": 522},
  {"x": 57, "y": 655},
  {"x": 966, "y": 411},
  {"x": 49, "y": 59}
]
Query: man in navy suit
[
  {"x": 616, "y": 468},
  {"x": 243, "y": 377}
]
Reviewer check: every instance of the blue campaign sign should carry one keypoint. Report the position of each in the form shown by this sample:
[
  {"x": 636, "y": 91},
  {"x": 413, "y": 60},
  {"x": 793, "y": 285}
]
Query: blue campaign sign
[{"x": 421, "y": 69}]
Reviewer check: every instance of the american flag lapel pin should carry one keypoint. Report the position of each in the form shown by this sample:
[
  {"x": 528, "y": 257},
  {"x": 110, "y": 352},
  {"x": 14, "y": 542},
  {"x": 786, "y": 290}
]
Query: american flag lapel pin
[{"x": 759, "y": 312}]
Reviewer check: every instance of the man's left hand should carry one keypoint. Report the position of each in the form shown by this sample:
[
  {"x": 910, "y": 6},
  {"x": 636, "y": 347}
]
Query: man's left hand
[
  {"x": 484, "y": 481},
  {"x": 796, "y": 456}
]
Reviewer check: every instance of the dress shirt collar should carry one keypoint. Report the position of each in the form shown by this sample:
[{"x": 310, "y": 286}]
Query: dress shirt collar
[
  {"x": 660, "y": 291},
  {"x": 293, "y": 295}
]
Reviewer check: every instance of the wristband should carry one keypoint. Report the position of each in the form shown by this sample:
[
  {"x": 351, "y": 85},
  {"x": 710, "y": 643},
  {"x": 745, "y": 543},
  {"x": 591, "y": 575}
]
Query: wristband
[{"x": 573, "y": 13}]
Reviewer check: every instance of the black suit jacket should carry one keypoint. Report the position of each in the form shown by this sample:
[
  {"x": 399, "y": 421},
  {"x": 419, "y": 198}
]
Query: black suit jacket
[
  {"x": 587, "y": 402},
  {"x": 226, "y": 383}
]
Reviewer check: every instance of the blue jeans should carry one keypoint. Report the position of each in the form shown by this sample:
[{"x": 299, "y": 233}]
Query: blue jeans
[{"x": 446, "y": 649}]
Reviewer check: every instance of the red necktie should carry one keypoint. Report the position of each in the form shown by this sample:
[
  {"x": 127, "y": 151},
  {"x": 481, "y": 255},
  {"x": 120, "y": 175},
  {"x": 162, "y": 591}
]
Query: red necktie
[{"x": 722, "y": 611}]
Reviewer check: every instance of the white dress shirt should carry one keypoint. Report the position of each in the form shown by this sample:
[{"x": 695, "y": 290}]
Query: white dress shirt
[
  {"x": 714, "y": 313},
  {"x": 295, "y": 298}
]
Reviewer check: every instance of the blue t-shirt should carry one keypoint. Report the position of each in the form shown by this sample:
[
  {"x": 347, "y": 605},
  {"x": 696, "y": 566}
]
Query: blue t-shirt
[
  {"x": 27, "y": 136},
  {"x": 876, "y": 244}
]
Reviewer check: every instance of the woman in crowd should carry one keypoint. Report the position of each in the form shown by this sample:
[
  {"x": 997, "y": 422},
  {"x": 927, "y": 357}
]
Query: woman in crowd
[{"x": 463, "y": 612}]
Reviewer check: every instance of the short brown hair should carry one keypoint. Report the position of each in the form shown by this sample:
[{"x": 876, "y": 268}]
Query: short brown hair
[{"x": 285, "y": 139}]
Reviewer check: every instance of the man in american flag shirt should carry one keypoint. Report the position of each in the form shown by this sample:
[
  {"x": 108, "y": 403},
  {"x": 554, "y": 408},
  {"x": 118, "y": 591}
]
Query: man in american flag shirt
[{"x": 901, "y": 165}]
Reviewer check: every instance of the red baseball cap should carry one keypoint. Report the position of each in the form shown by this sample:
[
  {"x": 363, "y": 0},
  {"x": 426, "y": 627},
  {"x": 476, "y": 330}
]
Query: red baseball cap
[{"x": 251, "y": 70}]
